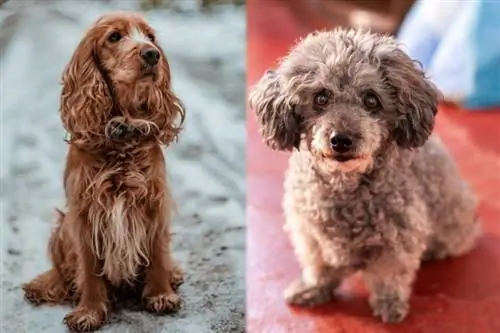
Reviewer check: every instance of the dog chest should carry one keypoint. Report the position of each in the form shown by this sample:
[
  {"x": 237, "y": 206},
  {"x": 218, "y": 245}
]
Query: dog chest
[
  {"x": 122, "y": 178},
  {"x": 119, "y": 217},
  {"x": 120, "y": 238},
  {"x": 360, "y": 215}
]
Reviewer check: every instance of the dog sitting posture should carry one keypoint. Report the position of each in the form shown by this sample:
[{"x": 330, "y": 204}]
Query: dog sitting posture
[
  {"x": 119, "y": 110},
  {"x": 368, "y": 188}
]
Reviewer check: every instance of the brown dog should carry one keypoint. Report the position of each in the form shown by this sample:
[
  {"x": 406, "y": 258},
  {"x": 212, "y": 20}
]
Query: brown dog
[{"x": 119, "y": 110}]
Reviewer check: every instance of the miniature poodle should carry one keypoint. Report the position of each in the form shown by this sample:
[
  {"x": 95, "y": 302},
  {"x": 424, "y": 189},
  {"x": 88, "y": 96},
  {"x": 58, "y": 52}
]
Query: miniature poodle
[
  {"x": 119, "y": 110},
  {"x": 368, "y": 188}
]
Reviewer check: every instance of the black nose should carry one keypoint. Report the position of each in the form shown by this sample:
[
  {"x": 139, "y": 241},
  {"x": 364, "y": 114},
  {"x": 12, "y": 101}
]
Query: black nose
[
  {"x": 150, "y": 56},
  {"x": 341, "y": 143}
]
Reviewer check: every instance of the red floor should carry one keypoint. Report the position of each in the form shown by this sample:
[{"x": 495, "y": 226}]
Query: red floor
[{"x": 454, "y": 296}]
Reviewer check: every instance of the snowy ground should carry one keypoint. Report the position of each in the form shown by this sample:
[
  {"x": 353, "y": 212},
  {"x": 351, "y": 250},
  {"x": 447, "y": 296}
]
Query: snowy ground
[{"x": 207, "y": 55}]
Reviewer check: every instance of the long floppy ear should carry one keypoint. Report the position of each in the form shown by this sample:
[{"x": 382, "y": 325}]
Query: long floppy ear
[
  {"x": 280, "y": 126},
  {"x": 85, "y": 99},
  {"x": 416, "y": 96},
  {"x": 170, "y": 111}
]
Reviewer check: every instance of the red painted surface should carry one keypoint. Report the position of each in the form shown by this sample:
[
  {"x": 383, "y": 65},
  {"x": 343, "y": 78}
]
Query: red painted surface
[{"x": 452, "y": 296}]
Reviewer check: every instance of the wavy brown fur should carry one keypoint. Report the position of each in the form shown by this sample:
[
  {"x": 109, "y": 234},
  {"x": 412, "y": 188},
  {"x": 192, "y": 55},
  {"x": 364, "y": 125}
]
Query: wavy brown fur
[
  {"x": 395, "y": 199},
  {"x": 116, "y": 232}
]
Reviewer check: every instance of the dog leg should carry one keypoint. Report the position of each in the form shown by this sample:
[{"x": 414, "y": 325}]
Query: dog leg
[
  {"x": 319, "y": 279},
  {"x": 92, "y": 309},
  {"x": 51, "y": 286},
  {"x": 162, "y": 277},
  {"x": 390, "y": 280},
  {"x": 304, "y": 293},
  {"x": 47, "y": 288}
]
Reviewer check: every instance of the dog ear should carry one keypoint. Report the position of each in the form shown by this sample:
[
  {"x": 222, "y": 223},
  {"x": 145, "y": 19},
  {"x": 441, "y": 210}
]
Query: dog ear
[
  {"x": 170, "y": 111},
  {"x": 85, "y": 98},
  {"x": 416, "y": 96},
  {"x": 280, "y": 126}
]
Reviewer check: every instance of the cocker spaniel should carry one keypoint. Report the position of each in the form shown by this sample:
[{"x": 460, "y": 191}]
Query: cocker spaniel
[
  {"x": 119, "y": 110},
  {"x": 368, "y": 188}
]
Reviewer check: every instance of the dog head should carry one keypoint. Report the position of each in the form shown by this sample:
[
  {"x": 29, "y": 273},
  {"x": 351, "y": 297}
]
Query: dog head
[
  {"x": 345, "y": 95},
  {"x": 118, "y": 83}
]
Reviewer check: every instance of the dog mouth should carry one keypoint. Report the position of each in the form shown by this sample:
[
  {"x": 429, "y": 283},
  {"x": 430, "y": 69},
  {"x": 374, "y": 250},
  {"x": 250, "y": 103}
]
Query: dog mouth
[
  {"x": 148, "y": 72},
  {"x": 342, "y": 158}
]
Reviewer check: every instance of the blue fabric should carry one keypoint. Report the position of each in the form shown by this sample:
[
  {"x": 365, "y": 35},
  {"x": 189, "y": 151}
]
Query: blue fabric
[
  {"x": 486, "y": 37},
  {"x": 458, "y": 44}
]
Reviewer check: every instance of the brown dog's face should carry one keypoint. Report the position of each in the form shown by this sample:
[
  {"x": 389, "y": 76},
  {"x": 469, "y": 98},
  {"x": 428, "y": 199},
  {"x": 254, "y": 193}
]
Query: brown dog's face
[
  {"x": 128, "y": 50},
  {"x": 117, "y": 85},
  {"x": 345, "y": 96}
]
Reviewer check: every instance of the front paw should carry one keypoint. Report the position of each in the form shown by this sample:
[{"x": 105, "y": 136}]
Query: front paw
[
  {"x": 163, "y": 303},
  {"x": 86, "y": 319},
  {"x": 298, "y": 293},
  {"x": 390, "y": 309}
]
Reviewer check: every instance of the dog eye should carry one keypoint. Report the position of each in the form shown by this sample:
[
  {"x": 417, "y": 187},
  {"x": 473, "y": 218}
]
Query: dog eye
[
  {"x": 115, "y": 37},
  {"x": 151, "y": 37},
  {"x": 371, "y": 100},
  {"x": 322, "y": 98}
]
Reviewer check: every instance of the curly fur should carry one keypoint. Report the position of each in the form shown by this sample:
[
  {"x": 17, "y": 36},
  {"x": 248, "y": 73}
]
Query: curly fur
[
  {"x": 395, "y": 199},
  {"x": 119, "y": 112}
]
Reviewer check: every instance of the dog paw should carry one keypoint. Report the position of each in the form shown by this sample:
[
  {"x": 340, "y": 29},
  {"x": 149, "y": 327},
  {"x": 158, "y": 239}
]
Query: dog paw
[
  {"x": 390, "y": 309},
  {"x": 298, "y": 293},
  {"x": 163, "y": 303},
  {"x": 33, "y": 294},
  {"x": 38, "y": 294},
  {"x": 177, "y": 278},
  {"x": 46, "y": 288},
  {"x": 84, "y": 319}
]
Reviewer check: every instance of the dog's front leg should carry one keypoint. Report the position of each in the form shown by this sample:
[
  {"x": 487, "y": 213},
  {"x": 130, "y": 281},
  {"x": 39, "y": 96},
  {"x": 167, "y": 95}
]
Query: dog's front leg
[
  {"x": 162, "y": 277},
  {"x": 390, "y": 279},
  {"x": 93, "y": 305},
  {"x": 319, "y": 277}
]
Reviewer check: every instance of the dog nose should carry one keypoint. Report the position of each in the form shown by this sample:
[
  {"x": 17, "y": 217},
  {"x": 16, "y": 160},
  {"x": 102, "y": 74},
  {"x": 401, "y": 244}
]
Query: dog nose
[
  {"x": 341, "y": 143},
  {"x": 150, "y": 56}
]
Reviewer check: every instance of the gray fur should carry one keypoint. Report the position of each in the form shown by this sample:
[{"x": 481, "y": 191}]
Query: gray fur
[{"x": 399, "y": 201}]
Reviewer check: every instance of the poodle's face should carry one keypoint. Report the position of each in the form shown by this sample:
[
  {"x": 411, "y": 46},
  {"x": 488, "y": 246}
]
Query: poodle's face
[{"x": 345, "y": 95}]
